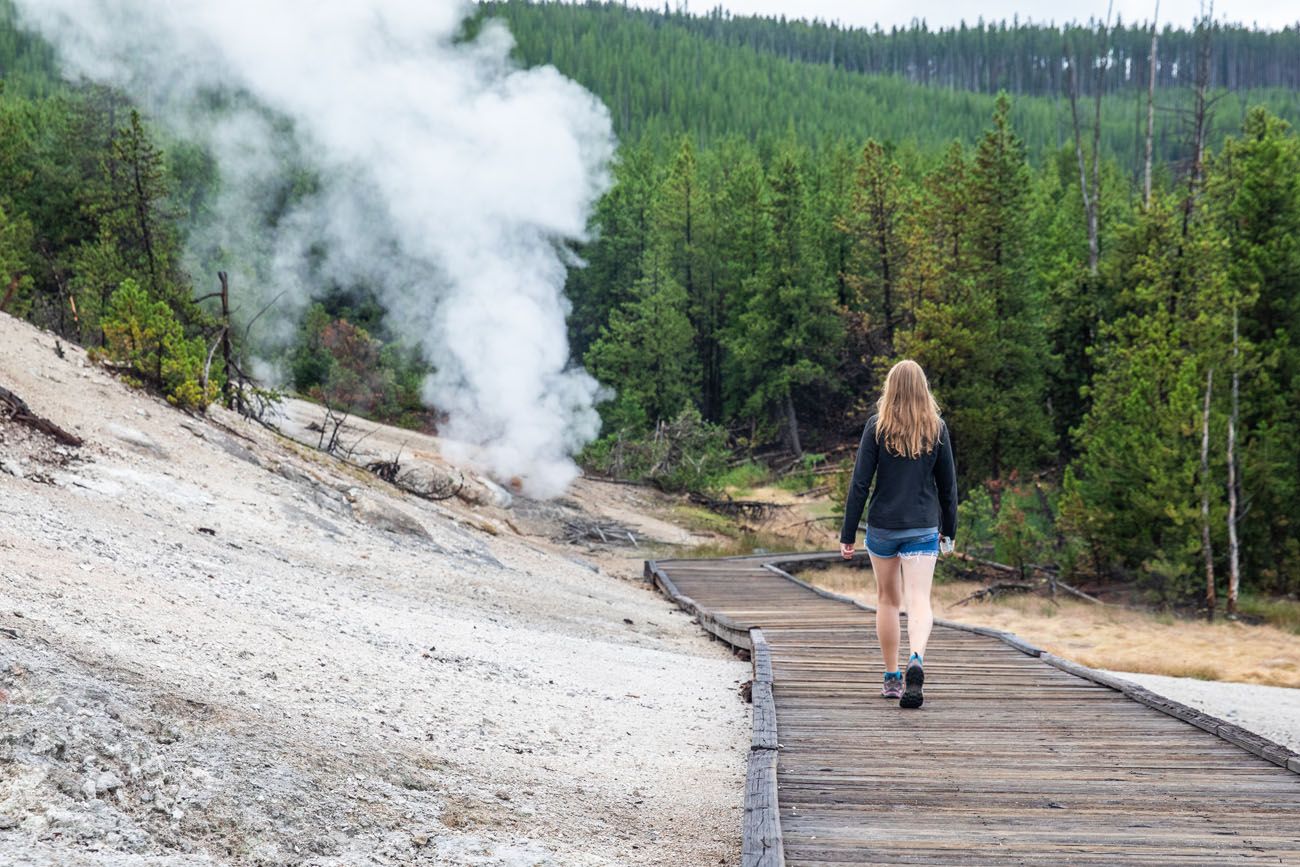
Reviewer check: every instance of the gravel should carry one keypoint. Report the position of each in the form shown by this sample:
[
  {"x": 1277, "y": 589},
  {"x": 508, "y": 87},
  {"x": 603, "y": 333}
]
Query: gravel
[{"x": 258, "y": 655}]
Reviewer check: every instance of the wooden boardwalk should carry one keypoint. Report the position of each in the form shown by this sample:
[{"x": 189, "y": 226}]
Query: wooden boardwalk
[{"x": 1017, "y": 757}]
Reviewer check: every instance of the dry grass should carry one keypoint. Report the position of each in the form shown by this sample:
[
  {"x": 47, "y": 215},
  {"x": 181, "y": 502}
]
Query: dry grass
[{"x": 1120, "y": 639}]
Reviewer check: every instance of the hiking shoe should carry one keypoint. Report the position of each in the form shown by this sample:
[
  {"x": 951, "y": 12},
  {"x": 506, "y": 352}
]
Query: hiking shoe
[
  {"x": 914, "y": 678},
  {"x": 893, "y": 687}
]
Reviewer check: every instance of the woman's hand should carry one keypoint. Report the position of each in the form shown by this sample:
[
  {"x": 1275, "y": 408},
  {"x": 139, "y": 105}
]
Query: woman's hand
[
  {"x": 946, "y": 544},
  {"x": 846, "y": 550}
]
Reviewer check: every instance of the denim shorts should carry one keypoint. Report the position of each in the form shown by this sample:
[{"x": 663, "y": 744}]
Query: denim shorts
[{"x": 898, "y": 543}]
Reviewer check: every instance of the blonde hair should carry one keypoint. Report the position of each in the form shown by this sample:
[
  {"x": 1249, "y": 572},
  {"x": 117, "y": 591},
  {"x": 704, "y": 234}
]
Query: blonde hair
[{"x": 907, "y": 415}]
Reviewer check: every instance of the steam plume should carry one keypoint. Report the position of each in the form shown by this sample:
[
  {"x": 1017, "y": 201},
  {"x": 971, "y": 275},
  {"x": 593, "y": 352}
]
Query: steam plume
[{"x": 449, "y": 177}]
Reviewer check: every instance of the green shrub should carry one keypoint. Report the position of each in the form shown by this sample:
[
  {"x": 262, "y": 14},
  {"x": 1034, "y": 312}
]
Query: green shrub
[
  {"x": 145, "y": 338},
  {"x": 686, "y": 454}
]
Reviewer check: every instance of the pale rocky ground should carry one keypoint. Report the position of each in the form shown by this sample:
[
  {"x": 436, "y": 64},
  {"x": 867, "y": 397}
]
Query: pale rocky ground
[
  {"x": 1271, "y": 711},
  {"x": 220, "y": 646}
]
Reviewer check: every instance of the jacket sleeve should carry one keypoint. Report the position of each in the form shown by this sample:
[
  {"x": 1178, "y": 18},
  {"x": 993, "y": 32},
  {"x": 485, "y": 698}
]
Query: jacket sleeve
[
  {"x": 945, "y": 480},
  {"x": 863, "y": 470}
]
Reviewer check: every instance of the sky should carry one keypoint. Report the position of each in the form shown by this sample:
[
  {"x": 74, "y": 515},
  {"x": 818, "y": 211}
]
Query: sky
[{"x": 1268, "y": 14}]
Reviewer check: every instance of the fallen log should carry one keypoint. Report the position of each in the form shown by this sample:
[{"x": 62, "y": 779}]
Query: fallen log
[
  {"x": 999, "y": 587},
  {"x": 755, "y": 510},
  {"x": 22, "y": 413},
  {"x": 1050, "y": 575}
]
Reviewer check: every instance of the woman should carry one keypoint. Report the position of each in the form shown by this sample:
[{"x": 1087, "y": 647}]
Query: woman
[{"x": 906, "y": 447}]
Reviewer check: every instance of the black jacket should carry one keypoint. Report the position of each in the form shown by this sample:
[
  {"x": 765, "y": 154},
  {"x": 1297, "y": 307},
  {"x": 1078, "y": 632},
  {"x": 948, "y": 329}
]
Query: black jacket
[{"x": 910, "y": 492}]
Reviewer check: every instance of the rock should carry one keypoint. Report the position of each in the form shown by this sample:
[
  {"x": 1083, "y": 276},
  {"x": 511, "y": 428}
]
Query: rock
[
  {"x": 136, "y": 439},
  {"x": 385, "y": 517},
  {"x": 107, "y": 782},
  {"x": 88, "y": 789},
  {"x": 8, "y": 822},
  {"x": 495, "y": 494},
  {"x": 432, "y": 480}
]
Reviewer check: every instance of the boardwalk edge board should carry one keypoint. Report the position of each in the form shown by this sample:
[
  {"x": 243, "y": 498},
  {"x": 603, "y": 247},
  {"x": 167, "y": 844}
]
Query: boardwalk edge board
[
  {"x": 718, "y": 625},
  {"x": 1233, "y": 734},
  {"x": 761, "y": 842}
]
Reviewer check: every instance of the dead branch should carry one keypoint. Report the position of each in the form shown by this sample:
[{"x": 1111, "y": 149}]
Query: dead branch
[
  {"x": 409, "y": 481},
  {"x": 754, "y": 510},
  {"x": 1000, "y": 587},
  {"x": 22, "y": 413},
  {"x": 1048, "y": 581},
  {"x": 577, "y": 530}
]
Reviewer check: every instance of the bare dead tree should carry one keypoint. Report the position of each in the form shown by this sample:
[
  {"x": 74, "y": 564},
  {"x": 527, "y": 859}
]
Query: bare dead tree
[
  {"x": 1088, "y": 209},
  {"x": 329, "y": 429},
  {"x": 1234, "y": 572},
  {"x": 240, "y": 391},
  {"x": 1102, "y": 64},
  {"x": 1201, "y": 115},
  {"x": 1206, "y": 545},
  {"x": 1090, "y": 187},
  {"x": 11, "y": 291},
  {"x": 227, "y": 388},
  {"x": 1151, "y": 109}
]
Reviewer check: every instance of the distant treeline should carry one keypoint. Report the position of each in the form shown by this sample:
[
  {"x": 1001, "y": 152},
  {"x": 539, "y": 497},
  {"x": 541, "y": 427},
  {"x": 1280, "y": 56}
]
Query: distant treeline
[
  {"x": 714, "y": 77},
  {"x": 988, "y": 57}
]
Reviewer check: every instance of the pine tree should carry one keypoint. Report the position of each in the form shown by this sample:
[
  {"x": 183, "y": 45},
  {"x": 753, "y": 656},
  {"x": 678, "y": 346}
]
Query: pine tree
[
  {"x": 1254, "y": 190},
  {"x": 873, "y": 227},
  {"x": 136, "y": 221},
  {"x": 621, "y": 225},
  {"x": 646, "y": 351},
  {"x": 1132, "y": 493},
  {"x": 788, "y": 335},
  {"x": 978, "y": 320}
]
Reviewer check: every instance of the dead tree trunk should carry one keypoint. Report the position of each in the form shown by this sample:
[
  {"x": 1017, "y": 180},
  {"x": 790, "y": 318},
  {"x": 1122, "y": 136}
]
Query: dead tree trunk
[
  {"x": 227, "y": 389},
  {"x": 22, "y": 413},
  {"x": 1094, "y": 232},
  {"x": 792, "y": 424},
  {"x": 1206, "y": 545},
  {"x": 1151, "y": 110},
  {"x": 1089, "y": 212},
  {"x": 1234, "y": 572},
  {"x": 1090, "y": 187},
  {"x": 11, "y": 291}
]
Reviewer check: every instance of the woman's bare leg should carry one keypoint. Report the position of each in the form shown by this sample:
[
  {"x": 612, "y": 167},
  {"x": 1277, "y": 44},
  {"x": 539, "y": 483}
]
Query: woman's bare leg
[
  {"x": 918, "y": 577},
  {"x": 889, "y": 595}
]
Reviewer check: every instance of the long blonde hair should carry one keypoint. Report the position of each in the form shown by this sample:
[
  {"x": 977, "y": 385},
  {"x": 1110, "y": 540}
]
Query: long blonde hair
[{"x": 907, "y": 414}]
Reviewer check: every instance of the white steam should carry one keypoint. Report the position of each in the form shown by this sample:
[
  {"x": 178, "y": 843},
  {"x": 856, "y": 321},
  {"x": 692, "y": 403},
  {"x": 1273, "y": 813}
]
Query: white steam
[{"x": 449, "y": 177}]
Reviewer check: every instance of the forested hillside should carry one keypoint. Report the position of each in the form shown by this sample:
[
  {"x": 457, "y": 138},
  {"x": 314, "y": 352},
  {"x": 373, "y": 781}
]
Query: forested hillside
[
  {"x": 1018, "y": 57},
  {"x": 666, "y": 73},
  {"x": 1120, "y": 372}
]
